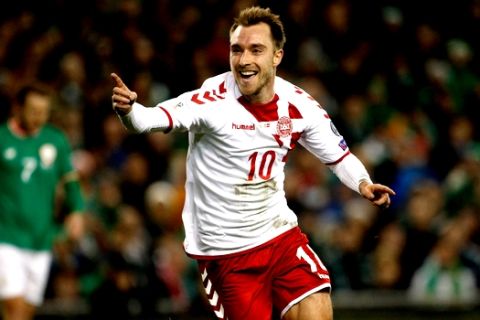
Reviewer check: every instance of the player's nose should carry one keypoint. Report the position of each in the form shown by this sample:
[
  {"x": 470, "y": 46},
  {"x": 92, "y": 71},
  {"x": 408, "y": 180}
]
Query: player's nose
[{"x": 245, "y": 58}]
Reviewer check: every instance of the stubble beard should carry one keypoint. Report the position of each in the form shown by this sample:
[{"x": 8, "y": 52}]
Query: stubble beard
[{"x": 254, "y": 93}]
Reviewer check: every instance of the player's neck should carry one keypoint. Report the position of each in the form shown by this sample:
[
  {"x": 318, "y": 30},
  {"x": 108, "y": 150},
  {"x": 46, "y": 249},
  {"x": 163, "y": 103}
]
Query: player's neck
[
  {"x": 260, "y": 105},
  {"x": 259, "y": 99},
  {"x": 19, "y": 130}
]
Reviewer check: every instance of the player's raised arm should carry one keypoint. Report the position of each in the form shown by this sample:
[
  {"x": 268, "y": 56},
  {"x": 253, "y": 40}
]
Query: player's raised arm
[
  {"x": 135, "y": 116},
  {"x": 122, "y": 97}
]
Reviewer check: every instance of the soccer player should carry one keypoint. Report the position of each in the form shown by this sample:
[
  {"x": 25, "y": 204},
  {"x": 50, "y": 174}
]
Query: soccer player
[
  {"x": 242, "y": 124},
  {"x": 34, "y": 158}
]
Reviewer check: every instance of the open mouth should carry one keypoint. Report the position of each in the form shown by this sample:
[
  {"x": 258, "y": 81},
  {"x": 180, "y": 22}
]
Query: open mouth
[{"x": 248, "y": 74}]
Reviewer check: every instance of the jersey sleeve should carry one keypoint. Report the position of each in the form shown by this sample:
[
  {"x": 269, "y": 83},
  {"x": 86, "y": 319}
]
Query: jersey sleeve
[
  {"x": 69, "y": 177},
  {"x": 322, "y": 138},
  {"x": 191, "y": 111},
  {"x": 186, "y": 113}
]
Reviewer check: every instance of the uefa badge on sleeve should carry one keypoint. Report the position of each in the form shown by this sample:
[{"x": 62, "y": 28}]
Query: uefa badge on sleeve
[{"x": 343, "y": 144}]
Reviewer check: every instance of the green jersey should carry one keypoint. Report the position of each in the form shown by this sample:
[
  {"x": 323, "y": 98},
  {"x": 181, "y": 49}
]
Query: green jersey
[{"x": 30, "y": 171}]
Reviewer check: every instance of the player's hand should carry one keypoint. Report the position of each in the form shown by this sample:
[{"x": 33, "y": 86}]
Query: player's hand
[
  {"x": 378, "y": 194},
  {"x": 75, "y": 226},
  {"x": 122, "y": 97}
]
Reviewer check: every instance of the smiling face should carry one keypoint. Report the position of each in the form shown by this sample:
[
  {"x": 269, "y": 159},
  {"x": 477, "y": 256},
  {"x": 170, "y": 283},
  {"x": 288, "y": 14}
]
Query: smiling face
[{"x": 253, "y": 61}]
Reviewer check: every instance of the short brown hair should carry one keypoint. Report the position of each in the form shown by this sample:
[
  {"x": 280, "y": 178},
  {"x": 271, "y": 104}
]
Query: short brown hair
[
  {"x": 255, "y": 15},
  {"x": 33, "y": 87}
]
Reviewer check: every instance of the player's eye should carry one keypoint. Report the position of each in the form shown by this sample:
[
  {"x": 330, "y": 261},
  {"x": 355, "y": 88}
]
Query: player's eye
[
  {"x": 258, "y": 49},
  {"x": 235, "y": 49}
]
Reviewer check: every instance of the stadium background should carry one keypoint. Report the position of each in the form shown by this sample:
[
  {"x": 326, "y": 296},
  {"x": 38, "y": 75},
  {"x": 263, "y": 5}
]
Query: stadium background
[{"x": 400, "y": 79}]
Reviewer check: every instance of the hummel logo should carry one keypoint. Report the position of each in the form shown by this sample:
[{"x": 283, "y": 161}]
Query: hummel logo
[{"x": 243, "y": 126}]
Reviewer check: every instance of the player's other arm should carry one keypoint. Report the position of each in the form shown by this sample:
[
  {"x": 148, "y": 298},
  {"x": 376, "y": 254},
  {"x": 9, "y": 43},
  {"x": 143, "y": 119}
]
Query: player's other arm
[
  {"x": 134, "y": 116},
  {"x": 73, "y": 196},
  {"x": 348, "y": 168},
  {"x": 75, "y": 221},
  {"x": 354, "y": 175}
]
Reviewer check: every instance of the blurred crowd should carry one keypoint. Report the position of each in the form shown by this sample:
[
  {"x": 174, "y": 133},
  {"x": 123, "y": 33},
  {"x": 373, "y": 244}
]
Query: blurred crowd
[{"x": 400, "y": 79}]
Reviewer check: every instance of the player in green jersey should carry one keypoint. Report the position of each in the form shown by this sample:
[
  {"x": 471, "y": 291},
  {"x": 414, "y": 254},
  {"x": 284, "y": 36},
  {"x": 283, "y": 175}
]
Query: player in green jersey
[{"x": 35, "y": 159}]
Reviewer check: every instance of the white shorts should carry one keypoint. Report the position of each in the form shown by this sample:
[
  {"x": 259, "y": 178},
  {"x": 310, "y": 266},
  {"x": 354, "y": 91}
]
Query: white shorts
[{"x": 23, "y": 273}]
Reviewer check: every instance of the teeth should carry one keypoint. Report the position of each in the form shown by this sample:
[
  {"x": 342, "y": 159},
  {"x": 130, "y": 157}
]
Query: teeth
[{"x": 247, "y": 73}]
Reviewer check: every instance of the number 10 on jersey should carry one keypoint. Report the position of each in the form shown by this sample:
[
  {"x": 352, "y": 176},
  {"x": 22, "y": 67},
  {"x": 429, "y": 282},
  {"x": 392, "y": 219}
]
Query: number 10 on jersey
[{"x": 264, "y": 164}]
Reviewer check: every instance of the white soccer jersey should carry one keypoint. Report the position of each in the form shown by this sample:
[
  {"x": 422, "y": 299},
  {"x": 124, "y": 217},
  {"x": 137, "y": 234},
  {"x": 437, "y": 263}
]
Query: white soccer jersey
[{"x": 235, "y": 163}]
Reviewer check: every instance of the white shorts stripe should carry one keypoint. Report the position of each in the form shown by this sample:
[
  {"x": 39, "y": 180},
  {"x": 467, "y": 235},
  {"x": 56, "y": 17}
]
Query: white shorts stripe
[{"x": 213, "y": 297}]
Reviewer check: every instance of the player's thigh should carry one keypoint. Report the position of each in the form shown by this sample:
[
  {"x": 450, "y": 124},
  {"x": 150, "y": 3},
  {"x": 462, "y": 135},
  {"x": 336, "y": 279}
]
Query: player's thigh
[
  {"x": 317, "y": 306},
  {"x": 17, "y": 308},
  {"x": 299, "y": 273},
  {"x": 238, "y": 288}
]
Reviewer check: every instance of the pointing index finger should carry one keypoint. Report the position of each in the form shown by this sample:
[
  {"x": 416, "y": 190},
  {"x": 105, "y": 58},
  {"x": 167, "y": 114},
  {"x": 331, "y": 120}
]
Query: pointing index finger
[{"x": 118, "y": 81}]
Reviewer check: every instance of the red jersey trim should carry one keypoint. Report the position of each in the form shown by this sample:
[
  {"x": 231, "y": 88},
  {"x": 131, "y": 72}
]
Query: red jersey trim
[
  {"x": 339, "y": 160},
  {"x": 269, "y": 242},
  {"x": 261, "y": 112},
  {"x": 170, "y": 120}
]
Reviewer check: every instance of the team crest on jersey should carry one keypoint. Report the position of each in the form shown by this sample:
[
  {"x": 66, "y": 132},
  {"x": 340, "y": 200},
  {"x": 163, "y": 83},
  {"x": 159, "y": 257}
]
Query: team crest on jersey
[
  {"x": 48, "y": 154},
  {"x": 10, "y": 153},
  {"x": 284, "y": 127}
]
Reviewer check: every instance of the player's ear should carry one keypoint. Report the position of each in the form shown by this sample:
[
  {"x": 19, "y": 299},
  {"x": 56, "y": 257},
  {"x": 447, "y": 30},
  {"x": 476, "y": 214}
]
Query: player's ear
[{"x": 277, "y": 57}]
